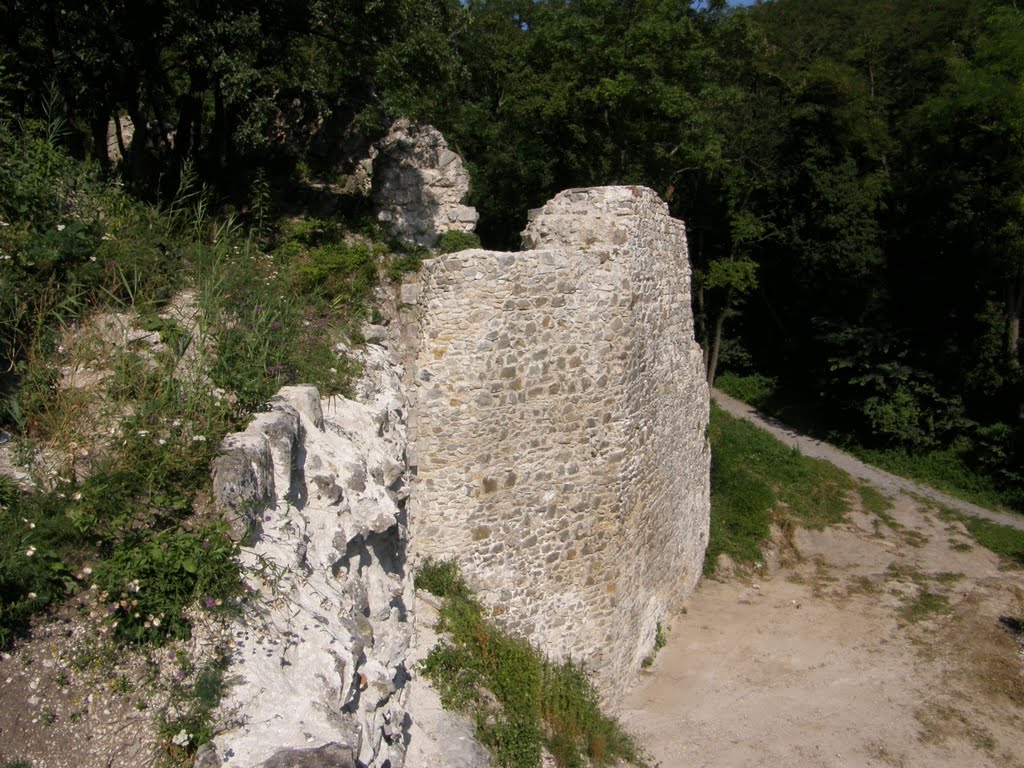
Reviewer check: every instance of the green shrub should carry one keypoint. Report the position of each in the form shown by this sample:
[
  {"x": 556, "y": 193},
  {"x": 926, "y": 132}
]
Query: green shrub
[
  {"x": 33, "y": 572},
  {"x": 150, "y": 579},
  {"x": 441, "y": 578},
  {"x": 455, "y": 240},
  {"x": 403, "y": 263}
]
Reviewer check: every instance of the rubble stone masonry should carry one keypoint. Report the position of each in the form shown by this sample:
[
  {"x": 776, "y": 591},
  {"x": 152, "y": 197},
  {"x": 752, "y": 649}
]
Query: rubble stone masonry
[{"x": 558, "y": 426}]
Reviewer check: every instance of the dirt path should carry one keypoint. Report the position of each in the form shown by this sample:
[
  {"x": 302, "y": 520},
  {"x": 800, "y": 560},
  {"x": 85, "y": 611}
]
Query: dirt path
[
  {"x": 862, "y": 645},
  {"x": 884, "y": 481},
  {"x": 889, "y": 640}
]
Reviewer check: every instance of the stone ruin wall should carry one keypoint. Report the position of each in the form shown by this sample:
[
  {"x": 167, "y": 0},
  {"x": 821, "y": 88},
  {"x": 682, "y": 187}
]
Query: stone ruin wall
[{"x": 558, "y": 425}]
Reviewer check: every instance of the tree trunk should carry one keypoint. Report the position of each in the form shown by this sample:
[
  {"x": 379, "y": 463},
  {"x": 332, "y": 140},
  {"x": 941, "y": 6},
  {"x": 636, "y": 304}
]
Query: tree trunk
[
  {"x": 220, "y": 128},
  {"x": 100, "y": 124},
  {"x": 1014, "y": 310},
  {"x": 716, "y": 342}
]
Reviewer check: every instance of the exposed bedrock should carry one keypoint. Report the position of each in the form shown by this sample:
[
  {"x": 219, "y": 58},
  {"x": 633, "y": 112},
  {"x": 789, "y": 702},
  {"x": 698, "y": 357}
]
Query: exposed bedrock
[{"x": 318, "y": 671}]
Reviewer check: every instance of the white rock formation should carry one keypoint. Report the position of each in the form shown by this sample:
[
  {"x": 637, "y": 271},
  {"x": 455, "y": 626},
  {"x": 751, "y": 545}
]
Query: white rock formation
[
  {"x": 318, "y": 670},
  {"x": 419, "y": 185}
]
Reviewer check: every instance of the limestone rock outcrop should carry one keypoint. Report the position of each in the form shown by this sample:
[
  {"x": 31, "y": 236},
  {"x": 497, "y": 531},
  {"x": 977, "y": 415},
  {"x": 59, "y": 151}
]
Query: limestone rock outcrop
[
  {"x": 318, "y": 668},
  {"x": 558, "y": 431},
  {"x": 419, "y": 185}
]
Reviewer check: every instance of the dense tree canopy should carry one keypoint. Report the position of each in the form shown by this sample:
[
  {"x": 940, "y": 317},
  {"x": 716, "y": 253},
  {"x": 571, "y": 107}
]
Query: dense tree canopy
[{"x": 851, "y": 171}]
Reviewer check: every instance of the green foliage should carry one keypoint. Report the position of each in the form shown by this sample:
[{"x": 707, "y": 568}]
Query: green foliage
[
  {"x": 534, "y": 700},
  {"x": 90, "y": 248},
  {"x": 403, "y": 263},
  {"x": 754, "y": 389},
  {"x": 196, "y": 703},
  {"x": 441, "y": 578},
  {"x": 455, "y": 240},
  {"x": 33, "y": 572},
  {"x": 754, "y": 480},
  {"x": 150, "y": 579}
]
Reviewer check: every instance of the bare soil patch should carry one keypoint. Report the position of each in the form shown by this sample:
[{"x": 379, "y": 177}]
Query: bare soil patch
[{"x": 885, "y": 641}]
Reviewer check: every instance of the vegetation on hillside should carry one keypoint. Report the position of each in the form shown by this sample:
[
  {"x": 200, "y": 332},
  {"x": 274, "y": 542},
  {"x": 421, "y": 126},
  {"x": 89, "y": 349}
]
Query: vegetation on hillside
[
  {"x": 137, "y": 337},
  {"x": 530, "y": 701}
]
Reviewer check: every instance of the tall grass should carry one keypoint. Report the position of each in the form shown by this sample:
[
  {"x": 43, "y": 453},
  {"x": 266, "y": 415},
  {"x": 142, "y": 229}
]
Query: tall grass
[{"x": 533, "y": 701}]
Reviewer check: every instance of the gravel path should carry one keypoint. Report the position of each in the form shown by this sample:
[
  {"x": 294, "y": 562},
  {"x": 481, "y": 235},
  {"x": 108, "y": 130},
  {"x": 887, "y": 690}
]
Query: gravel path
[{"x": 885, "y": 481}]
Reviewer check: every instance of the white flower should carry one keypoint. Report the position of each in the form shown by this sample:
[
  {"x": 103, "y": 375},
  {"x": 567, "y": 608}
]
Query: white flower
[
  {"x": 142, "y": 432},
  {"x": 182, "y": 738},
  {"x": 198, "y": 438},
  {"x": 32, "y": 595},
  {"x": 30, "y": 551},
  {"x": 87, "y": 571},
  {"x": 60, "y": 227},
  {"x": 134, "y": 586},
  {"x": 76, "y": 496}
]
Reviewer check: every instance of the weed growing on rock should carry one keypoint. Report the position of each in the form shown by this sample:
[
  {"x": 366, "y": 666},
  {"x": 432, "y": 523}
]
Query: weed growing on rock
[
  {"x": 455, "y": 240},
  {"x": 530, "y": 700},
  {"x": 192, "y": 724},
  {"x": 441, "y": 578}
]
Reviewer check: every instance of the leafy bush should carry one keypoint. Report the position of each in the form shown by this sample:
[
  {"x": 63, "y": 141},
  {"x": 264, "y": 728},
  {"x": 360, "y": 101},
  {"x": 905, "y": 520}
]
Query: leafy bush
[
  {"x": 33, "y": 573},
  {"x": 441, "y": 578},
  {"x": 150, "y": 579},
  {"x": 455, "y": 240}
]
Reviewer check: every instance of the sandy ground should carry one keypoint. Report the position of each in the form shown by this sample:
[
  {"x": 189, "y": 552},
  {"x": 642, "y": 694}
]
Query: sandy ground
[{"x": 888, "y": 641}]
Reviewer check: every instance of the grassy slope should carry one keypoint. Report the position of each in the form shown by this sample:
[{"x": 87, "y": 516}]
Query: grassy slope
[
  {"x": 945, "y": 469},
  {"x": 756, "y": 480}
]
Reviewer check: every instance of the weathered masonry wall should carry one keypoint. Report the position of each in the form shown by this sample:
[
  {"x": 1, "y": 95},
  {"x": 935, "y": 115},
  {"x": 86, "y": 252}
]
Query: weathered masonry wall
[{"x": 558, "y": 429}]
